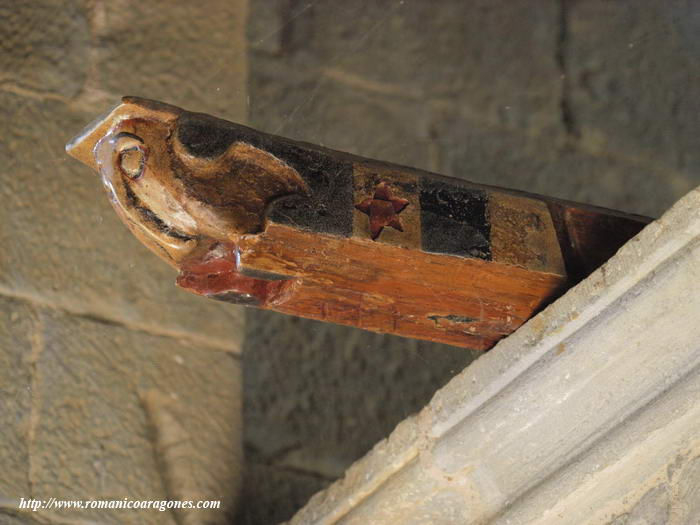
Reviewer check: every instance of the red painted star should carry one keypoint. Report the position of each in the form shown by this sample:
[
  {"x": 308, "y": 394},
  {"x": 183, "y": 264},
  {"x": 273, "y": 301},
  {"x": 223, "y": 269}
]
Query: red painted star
[{"x": 383, "y": 210}]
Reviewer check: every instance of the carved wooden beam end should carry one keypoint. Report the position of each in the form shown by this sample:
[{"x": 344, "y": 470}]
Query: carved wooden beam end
[{"x": 262, "y": 220}]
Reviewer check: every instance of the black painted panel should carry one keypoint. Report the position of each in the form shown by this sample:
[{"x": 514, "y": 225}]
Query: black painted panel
[{"x": 454, "y": 220}]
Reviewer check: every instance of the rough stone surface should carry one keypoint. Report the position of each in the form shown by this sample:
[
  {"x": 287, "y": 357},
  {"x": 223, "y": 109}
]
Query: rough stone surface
[
  {"x": 318, "y": 397},
  {"x": 113, "y": 382},
  {"x": 654, "y": 507},
  {"x": 272, "y": 494},
  {"x": 17, "y": 337},
  {"x": 189, "y": 54},
  {"x": 44, "y": 46},
  {"x": 107, "y": 413},
  {"x": 164, "y": 402},
  {"x": 11, "y": 518},
  {"x": 635, "y": 71},
  {"x": 461, "y": 51},
  {"x": 495, "y": 155},
  {"x": 603, "y": 429},
  {"x": 324, "y": 110}
]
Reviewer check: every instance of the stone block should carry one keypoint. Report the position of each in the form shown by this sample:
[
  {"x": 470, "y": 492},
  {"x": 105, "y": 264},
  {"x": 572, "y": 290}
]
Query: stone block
[
  {"x": 500, "y": 157},
  {"x": 279, "y": 27},
  {"x": 320, "y": 109},
  {"x": 266, "y": 25},
  {"x": 191, "y": 54},
  {"x": 65, "y": 245},
  {"x": 318, "y": 396},
  {"x": 634, "y": 74},
  {"x": 495, "y": 59},
  {"x": 44, "y": 46},
  {"x": 121, "y": 414},
  {"x": 18, "y": 339},
  {"x": 19, "y": 518},
  {"x": 272, "y": 495}
]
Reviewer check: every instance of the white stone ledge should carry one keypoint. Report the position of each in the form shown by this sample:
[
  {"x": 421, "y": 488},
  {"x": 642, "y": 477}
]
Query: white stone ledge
[{"x": 587, "y": 414}]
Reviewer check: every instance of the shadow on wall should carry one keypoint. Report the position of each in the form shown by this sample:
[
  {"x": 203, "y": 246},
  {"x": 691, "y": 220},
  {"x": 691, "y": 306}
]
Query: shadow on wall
[{"x": 319, "y": 396}]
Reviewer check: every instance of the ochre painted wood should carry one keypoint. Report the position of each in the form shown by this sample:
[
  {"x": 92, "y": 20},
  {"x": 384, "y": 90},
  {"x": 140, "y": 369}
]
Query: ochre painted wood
[{"x": 261, "y": 220}]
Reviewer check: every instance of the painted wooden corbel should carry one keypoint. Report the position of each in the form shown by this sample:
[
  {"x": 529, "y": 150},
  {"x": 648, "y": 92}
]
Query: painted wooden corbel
[{"x": 262, "y": 220}]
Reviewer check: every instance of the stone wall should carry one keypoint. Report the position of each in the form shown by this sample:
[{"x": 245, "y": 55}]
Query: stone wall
[{"x": 114, "y": 383}]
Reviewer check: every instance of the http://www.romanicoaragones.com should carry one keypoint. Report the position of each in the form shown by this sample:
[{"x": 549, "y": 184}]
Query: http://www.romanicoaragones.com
[{"x": 125, "y": 503}]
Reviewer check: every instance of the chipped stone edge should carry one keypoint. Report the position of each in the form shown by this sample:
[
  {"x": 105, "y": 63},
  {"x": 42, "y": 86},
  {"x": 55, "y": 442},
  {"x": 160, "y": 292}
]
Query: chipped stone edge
[{"x": 484, "y": 379}]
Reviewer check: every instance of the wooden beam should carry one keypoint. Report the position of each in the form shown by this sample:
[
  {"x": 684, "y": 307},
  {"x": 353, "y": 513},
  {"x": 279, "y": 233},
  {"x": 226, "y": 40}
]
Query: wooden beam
[{"x": 261, "y": 220}]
